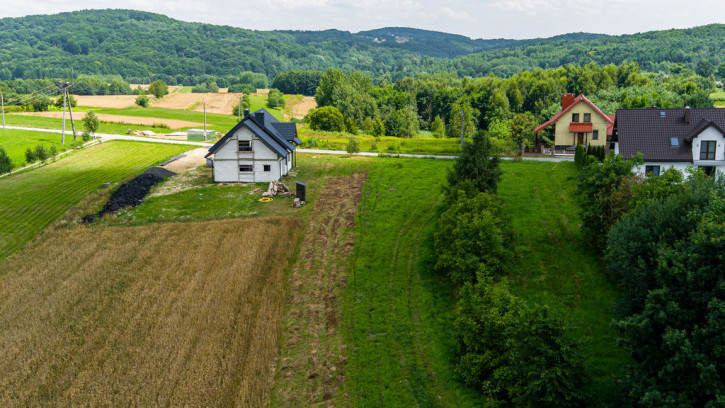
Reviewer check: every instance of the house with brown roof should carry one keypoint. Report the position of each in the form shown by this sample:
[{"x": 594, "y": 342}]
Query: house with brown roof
[
  {"x": 677, "y": 138},
  {"x": 578, "y": 122}
]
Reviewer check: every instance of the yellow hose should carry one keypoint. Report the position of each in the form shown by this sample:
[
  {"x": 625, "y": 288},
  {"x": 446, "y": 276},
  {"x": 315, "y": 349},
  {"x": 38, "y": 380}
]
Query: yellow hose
[{"x": 265, "y": 199}]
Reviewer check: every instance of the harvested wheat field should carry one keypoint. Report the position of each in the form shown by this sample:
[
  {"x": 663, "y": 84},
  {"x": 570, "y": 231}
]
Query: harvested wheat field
[
  {"x": 301, "y": 106},
  {"x": 131, "y": 120},
  {"x": 175, "y": 314},
  {"x": 106, "y": 101}
]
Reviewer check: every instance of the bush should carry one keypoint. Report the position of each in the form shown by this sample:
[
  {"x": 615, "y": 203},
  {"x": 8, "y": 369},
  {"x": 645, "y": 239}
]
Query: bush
[
  {"x": 71, "y": 101},
  {"x": 438, "y": 128},
  {"x": 516, "y": 354},
  {"x": 139, "y": 91},
  {"x": 326, "y": 118},
  {"x": 30, "y": 156},
  {"x": 41, "y": 104},
  {"x": 91, "y": 123},
  {"x": 142, "y": 100},
  {"x": 206, "y": 87},
  {"x": 474, "y": 237},
  {"x": 477, "y": 164},
  {"x": 238, "y": 110},
  {"x": 275, "y": 99},
  {"x": 242, "y": 88},
  {"x": 5, "y": 163},
  {"x": 53, "y": 151},
  {"x": 580, "y": 156},
  {"x": 378, "y": 128},
  {"x": 41, "y": 153},
  {"x": 351, "y": 126},
  {"x": 353, "y": 146},
  {"x": 158, "y": 88}
]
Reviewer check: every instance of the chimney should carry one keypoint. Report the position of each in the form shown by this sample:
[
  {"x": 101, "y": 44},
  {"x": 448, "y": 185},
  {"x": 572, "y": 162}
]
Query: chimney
[
  {"x": 260, "y": 117},
  {"x": 246, "y": 113},
  {"x": 566, "y": 100},
  {"x": 687, "y": 114}
]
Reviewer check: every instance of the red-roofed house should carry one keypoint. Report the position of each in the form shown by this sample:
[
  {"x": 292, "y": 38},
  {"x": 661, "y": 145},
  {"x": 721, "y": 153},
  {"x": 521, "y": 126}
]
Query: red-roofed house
[{"x": 579, "y": 122}]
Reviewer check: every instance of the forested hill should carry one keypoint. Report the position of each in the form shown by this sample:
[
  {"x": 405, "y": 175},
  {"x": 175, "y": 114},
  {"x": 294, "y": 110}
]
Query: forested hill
[{"x": 142, "y": 46}]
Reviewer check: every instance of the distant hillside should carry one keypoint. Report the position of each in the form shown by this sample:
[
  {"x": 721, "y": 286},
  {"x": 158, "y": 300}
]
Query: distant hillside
[{"x": 141, "y": 46}]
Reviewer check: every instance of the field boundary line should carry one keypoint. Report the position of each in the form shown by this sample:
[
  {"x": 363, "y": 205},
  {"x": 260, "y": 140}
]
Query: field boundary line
[{"x": 54, "y": 158}]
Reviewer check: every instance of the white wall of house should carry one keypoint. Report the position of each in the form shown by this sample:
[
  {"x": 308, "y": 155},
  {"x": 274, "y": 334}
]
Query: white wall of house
[
  {"x": 709, "y": 134},
  {"x": 228, "y": 159}
]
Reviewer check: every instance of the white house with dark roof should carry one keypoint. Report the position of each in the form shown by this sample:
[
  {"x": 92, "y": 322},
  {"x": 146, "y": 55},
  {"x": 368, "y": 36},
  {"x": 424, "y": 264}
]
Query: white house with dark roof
[
  {"x": 677, "y": 138},
  {"x": 258, "y": 149}
]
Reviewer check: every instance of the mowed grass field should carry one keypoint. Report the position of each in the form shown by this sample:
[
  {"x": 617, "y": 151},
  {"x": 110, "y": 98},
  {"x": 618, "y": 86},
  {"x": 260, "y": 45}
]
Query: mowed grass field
[
  {"x": 31, "y": 200},
  {"x": 183, "y": 314},
  {"x": 556, "y": 266},
  {"x": 16, "y": 141}
]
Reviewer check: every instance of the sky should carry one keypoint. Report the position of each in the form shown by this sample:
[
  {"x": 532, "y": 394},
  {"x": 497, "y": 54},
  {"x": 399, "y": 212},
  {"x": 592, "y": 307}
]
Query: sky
[{"x": 518, "y": 19}]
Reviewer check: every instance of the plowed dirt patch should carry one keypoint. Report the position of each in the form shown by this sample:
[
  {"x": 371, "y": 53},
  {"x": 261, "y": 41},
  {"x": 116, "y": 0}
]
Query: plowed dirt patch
[
  {"x": 218, "y": 103},
  {"x": 311, "y": 366},
  {"x": 131, "y": 120},
  {"x": 160, "y": 315}
]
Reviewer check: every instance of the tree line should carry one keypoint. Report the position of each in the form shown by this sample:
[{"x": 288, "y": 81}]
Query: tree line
[{"x": 507, "y": 109}]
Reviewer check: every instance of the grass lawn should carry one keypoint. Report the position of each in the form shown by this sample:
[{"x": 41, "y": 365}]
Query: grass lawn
[
  {"x": 555, "y": 264},
  {"x": 16, "y": 141},
  {"x": 31, "y": 200},
  {"x": 397, "y": 313},
  {"x": 312, "y": 139}
]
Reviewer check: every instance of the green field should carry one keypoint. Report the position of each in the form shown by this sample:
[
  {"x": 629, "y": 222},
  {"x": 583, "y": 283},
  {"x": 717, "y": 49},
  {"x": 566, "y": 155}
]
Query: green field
[
  {"x": 556, "y": 265},
  {"x": 31, "y": 200},
  {"x": 16, "y": 141},
  {"x": 312, "y": 139}
]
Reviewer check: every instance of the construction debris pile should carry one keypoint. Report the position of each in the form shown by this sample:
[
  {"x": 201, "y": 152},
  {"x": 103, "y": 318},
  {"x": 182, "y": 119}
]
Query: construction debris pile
[
  {"x": 277, "y": 188},
  {"x": 131, "y": 193}
]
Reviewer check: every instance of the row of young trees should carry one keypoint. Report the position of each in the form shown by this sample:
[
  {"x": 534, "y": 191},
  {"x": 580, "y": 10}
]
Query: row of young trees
[
  {"x": 507, "y": 108},
  {"x": 513, "y": 352},
  {"x": 663, "y": 239}
]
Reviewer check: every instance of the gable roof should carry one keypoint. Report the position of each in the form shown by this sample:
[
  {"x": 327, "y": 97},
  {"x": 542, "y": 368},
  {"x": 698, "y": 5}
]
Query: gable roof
[
  {"x": 267, "y": 134},
  {"x": 288, "y": 130},
  {"x": 577, "y": 100},
  {"x": 649, "y": 132}
]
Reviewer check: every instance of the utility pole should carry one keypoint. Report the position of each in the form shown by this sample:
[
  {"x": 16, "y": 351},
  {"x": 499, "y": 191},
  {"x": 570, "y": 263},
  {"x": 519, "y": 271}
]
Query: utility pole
[
  {"x": 63, "y": 86},
  {"x": 70, "y": 110},
  {"x": 205, "y": 121},
  {"x": 2, "y": 102},
  {"x": 462, "y": 128}
]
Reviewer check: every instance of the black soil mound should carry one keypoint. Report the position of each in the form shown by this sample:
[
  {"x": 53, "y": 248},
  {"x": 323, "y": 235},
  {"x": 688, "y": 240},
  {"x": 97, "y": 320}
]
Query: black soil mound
[
  {"x": 131, "y": 193},
  {"x": 159, "y": 171}
]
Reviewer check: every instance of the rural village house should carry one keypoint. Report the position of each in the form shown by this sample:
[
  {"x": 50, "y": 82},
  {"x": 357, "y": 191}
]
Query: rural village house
[
  {"x": 578, "y": 122},
  {"x": 678, "y": 138},
  {"x": 258, "y": 149}
]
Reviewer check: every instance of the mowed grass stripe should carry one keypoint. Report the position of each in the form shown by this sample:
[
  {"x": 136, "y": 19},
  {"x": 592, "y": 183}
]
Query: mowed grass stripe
[{"x": 31, "y": 200}]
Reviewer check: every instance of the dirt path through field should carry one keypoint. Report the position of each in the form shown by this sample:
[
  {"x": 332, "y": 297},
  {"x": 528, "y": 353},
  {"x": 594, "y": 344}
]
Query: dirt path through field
[
  {"x": 303, "y": 106},
  {"x": 131, "y": 120},
  {"x": 311, "y": 366}
]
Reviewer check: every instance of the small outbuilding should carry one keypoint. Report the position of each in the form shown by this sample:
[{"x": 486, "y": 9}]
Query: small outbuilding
[{"x": 258, "y": 149}]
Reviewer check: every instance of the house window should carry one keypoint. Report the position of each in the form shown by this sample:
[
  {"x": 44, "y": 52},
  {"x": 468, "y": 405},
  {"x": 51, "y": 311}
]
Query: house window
[
  {"x": 246, "y": 168},
  {"x": 267, "y": 167},
  {"x": 674, "y": 141},
  {"x": 587, "y": 117},
  {"x": 595, "y": 135},
  {"x": 245, "y": 146},
  {"x": 575, "y": 117},
  {"x": 707, "y": 150},
  {"x": 652, "y": 170}
]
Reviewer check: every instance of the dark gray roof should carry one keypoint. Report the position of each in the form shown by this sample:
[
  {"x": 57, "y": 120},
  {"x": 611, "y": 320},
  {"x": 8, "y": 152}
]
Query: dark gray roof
[
  {"x": 288, "y": 130},
  {"x": 647, "y": 131},
  {"x": 264, "y": 129},
  {"x": 268, "y": 122}
]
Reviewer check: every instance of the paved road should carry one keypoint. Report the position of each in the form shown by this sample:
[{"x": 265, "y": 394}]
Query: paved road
[{"x": 105, "y": 137}]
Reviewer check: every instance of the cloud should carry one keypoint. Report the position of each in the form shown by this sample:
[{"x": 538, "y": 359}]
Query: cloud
[
  {"x": 523, "y": 6},
  {"x": 461, "y": 15}
]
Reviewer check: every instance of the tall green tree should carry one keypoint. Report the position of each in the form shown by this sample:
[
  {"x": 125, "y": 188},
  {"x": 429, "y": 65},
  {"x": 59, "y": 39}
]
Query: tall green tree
[
  {"x": 476, "y": 164},
  {"x": 158, "y": 88}
]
